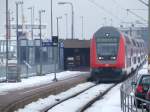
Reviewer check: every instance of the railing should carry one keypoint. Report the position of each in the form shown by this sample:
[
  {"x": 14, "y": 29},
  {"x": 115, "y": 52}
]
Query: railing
[
  {"x": 30, "y": 58},
  {"x": 129, "y": 101}
]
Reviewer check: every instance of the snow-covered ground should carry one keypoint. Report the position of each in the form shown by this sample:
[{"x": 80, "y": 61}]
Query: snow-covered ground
[
  {"x": 37, "y": 80},
  {"x": 110, "y": 102},
  {"x": 2, "y": 79},
  {"x": 76, "y": 103},
  {"x": 71, "y": 105},
  {"x": 54, "y": 99}
]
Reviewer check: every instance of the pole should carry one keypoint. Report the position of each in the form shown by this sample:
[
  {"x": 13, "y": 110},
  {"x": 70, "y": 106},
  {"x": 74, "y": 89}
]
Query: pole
[
  {"x": 18, "y": 75},
  {"x": 31, "y": 9},
  {"x": 51, "y": 18},
  {"x": 72, "y": 13},
  {"x": 32, "y": 22},
  {"x": 72, "y": 32},
  {"x": 82, "y": 27},
  {"x": 40, "y": 23},
  {"x": 66, "y": 24},
  {"x": 22, "y": 11},
  {"x": 40, "y": 43},
  {"x": 57, "y": 27},
  {"x": 56, "y": 50},
  {"x": 149, "y": 32},
  {"x": 6, "y": 39}
]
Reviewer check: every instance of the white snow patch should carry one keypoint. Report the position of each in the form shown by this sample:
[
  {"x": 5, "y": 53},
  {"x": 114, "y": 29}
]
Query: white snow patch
[
  {"x": 52, "y": 100},
  {"x": 2, "y": 79},
  {"x": 110, "y": 102},
  {"x": 37, "y": 80},
  {"x": 74, "y": 104}
]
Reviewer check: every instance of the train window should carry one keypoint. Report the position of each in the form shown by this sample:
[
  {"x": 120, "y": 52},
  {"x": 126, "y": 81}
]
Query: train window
[{"x": 104, "y": 49}]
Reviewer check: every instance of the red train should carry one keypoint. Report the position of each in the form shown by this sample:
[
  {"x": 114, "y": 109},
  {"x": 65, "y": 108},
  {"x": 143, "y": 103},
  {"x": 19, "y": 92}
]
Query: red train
[{"x": 114, "y": 55}]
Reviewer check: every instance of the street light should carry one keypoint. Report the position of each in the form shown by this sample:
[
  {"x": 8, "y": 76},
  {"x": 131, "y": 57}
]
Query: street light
[
  {"x": 40, "y": 23},
  {"x": 18, "y": 54},
  {"x": 72, "y": 25},
  {"x": 66, "y": 24},
  {"x": 56, "y": 50},
  {"x": 7, "y": 36},
  {"x": 32, "y": 19},
  {"x": 58, "y": 18},
  {"x": 82, "y": 27},
  {"x": 51, "y": 18}
]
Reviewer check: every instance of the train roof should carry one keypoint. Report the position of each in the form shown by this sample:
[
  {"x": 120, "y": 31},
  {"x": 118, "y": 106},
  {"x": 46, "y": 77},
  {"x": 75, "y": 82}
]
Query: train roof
[{"x": 112, "y": 31}]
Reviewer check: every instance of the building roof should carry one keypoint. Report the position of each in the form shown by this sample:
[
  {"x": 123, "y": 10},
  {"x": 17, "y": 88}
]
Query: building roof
[{"x": 75, "y": 43}]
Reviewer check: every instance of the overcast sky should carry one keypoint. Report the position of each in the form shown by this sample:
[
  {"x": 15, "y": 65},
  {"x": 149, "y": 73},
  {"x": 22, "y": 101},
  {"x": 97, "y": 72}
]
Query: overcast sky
[{"x": 96, "y": 13}]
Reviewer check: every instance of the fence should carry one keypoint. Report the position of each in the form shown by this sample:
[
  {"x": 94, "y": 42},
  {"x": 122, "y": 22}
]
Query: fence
[
  {"x": 30, "y": 55},
  {"x": 129, "y": 101}
]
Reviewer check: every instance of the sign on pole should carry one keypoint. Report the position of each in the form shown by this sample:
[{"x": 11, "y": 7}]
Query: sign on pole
[{"x": 55, "y": 41}]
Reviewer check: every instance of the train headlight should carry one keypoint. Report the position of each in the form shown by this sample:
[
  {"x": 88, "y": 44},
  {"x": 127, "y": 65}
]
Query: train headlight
[
  {"x": 100, "y": 58},
  {"x": 113, "y": 58}
]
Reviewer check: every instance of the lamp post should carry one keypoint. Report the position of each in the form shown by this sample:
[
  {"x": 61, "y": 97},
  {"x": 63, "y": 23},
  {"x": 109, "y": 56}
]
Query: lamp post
[
  {"x": 17, "y": 29},
  {"x": 40, "y": 23},
  {"x": 82, "y": 27},
  {"x": 7, "y": 30},
  {"x": 72, "y": 24},
  {"x": 32, "y": 14},
  {"x": 56, "y": 49},
  {"x": 51, "y": 18},
  {"x": 66, "y": 24},
  {"x": 58, "y": 18}
]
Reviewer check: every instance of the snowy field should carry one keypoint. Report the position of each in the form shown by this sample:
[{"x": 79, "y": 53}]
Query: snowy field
[{"x": 37, "y": 80}]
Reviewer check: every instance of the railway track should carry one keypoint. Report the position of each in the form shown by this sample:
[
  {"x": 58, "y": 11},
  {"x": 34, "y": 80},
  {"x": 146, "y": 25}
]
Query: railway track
[
  {"x": 19, "y": 99},
  {"x": 63, "y": 86},
  {"x": 99, "y": 93},
  {"x": 86, "y": 105}
]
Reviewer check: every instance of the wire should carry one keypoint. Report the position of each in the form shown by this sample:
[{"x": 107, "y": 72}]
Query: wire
[
  {"x": 129, "y": 10},
  {"x": 143, "y": 2},
  {"x": 107, "y": 11}
]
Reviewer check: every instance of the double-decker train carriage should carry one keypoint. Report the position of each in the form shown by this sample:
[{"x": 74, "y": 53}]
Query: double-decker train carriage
[{"x": 114, "y": 55}]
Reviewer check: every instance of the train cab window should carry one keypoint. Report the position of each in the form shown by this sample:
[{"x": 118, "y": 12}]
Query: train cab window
[{"x": 107, "y": 47}]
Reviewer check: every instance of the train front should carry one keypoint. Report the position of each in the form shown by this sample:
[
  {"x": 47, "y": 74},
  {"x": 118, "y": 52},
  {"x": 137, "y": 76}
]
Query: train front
[{"x": 107, "y": 56}]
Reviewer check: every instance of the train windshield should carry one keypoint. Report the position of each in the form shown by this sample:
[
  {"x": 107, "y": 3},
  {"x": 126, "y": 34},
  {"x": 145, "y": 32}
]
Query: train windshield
[{"x": 107, "y": 47}]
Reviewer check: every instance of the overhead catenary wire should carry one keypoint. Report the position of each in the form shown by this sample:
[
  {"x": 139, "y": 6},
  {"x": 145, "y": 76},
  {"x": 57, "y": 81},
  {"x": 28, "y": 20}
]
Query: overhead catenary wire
[
  {"x": 128, "y": 10},
  {"x": 133, "y": 13},
  {"x": 143, "y": 2},
  {"x": 113, "y": 15},
  {"x": 107, "y": 11}
]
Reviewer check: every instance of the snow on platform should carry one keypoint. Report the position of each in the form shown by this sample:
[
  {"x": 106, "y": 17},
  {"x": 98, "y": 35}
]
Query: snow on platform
[
  {"x": 37, "y": 81},
  {"x": 2, "y": 79}
]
